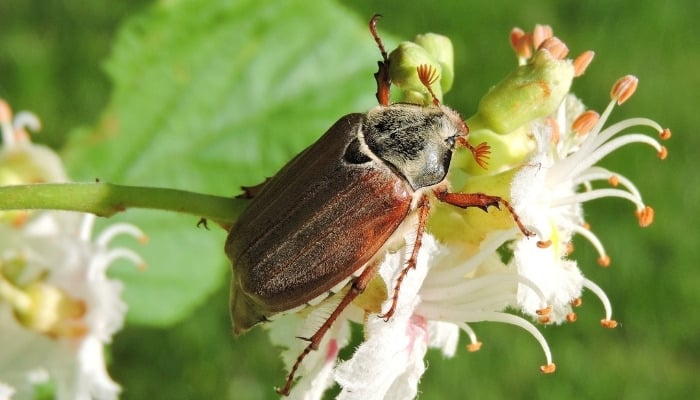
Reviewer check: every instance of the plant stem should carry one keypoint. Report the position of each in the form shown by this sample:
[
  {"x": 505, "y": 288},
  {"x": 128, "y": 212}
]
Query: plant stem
[{"x": 106, "y": 199}]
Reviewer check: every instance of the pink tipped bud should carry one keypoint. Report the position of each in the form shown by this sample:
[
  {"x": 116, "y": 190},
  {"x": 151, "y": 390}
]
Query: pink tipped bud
[{"x": 540, "y": 34}]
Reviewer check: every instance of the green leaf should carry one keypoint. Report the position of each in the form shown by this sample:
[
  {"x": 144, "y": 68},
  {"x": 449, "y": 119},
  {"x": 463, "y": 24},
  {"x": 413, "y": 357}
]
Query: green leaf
[{"x": 208, "y": 97}]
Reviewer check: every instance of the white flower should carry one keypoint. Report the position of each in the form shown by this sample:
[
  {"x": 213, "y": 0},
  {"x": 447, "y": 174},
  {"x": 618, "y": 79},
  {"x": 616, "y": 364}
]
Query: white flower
[
  {"x": 548, "y": 194},
  {"x": 58, "y": 308},
  {"x": 492, "y": 273}
]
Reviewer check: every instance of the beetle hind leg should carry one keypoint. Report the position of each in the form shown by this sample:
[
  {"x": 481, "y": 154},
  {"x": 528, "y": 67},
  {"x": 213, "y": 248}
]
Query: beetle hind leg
[
  {"x": 356, "y": 288},
  {"x": 424, "y": 208}
]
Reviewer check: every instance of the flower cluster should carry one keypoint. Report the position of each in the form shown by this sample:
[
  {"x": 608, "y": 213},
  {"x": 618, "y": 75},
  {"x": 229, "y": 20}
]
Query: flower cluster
[
  {"x": 476, "y": 266},
  {"x": 58, "y": 308}
]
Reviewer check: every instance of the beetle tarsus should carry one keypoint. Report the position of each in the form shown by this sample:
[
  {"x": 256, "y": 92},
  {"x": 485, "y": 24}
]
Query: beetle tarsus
[
  {"x": 482, "y": 201},
  {"x": 382, "y": 75},
  {"x": 424, "y": 207}
]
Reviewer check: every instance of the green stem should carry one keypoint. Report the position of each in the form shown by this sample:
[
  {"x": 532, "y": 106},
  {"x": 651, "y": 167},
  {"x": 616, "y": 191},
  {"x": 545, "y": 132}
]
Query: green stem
[{"x": 106, "y": 199}]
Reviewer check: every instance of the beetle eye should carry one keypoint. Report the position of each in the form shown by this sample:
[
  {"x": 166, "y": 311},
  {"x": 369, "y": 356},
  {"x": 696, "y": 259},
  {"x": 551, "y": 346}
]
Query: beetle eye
[{"x": 451, "y": 141}]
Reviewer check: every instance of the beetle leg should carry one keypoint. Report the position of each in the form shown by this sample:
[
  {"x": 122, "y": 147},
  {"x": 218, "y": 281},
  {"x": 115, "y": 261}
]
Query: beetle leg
[
  {"x": 482, "y": 201},
  {"x": 357, "y": 287},
  {"x": 424, "y": 207},
  {"x": 382, "y": 75}
]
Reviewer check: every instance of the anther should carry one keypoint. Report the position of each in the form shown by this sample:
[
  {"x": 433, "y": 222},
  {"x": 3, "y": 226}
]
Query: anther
[
  {"x": 614, "y": 180},
  {"x": 585, "y": 122},
  {"x": 645, "y": 216},
  {"x": 473, "y": 347},
  {"x": 571, "y": 317},
  {"x": 604, "y": 261},
  {"x": 545, "y": 319},
  {"x": 582, "y": 62},
  {"x": 540, "y": 34},
  {"x": 569, "y": 248},
  {"x": 624, "y": 88},
  {"x": 521, "y": 43},
  {"x": 548, "y": 369},
  {"x": 543, "y": 244},
  {"x": 576, "y": 302},
  {"x": 556, "y": 48},
  {"x": 665, "y": 134},
  {"x": 544, "y": 311},
  {"x": 608, "y": 323},
  {"x": 554, "y": 129},
  {"x": 663, "y": 153}
]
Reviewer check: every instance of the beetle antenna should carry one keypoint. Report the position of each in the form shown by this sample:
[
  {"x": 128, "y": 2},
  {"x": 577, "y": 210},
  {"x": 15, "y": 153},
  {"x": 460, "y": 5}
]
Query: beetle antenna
[
  {"x": 428, "y": 75},
  {"x": 481, "y": 151},
  {"x": 382, "y": 75}
]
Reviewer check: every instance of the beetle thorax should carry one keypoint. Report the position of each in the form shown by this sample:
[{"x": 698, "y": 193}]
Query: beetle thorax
[{"x": 415, "y": 141}]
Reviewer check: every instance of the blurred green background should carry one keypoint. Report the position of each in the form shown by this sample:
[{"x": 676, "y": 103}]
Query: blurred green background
[{"x": 54, "y": 61}]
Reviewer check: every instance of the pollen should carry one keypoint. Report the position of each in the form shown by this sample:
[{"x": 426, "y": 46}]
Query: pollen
[
  {"x": 582, "y": 62},
  {"x": 645, "y": 216},
  {"x": 548, "y": 369},
  {"x": 608, "y": 323},
  {"x": 624, "y": 88},
  {"x": 474, "y": 347},
  {"x": 585, "y": 122},
  {"x": 604, "y": 261}
]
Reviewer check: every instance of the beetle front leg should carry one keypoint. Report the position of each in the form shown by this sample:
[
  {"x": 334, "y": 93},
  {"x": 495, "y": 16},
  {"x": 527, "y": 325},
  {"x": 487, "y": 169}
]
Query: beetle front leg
[
  {"x": 482, "y": 201},
  {"x": 358, "y": 286},
  {"x": 424, "y": 208}
]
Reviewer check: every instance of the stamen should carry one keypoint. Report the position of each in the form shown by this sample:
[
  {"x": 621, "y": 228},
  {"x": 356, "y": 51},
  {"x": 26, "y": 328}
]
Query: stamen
[
  {"x": 665, "y": 134},
  {"x": 506, "y": 318},
  {"x": 599, "y": 173},
  {"x": 548, "y": 369},
  {"x": 624, "y": 88},
  {"x": 543, "y": 244},
  {"x": 582, "y": 62},
  {"x": 603, "y": 299},
  {"x": 26, "y": 120},
  {"x": 521, "y": 42},
  {"x": 663, "y": 153},
  {"x": 99, "y": 267},
  {"x": 598, "y": 194},
  {"x": 571, "y": 317},
  {"x": 645, "y": 216},
  {"x": 592, "y": 238},
  {"x": 556, "y": 48},
  {"x": 120, "y": 228},
  {"x": 474, "y": 343},
  {"x": 585, "y": 122},
  {"x": 604, "y": 261},
  {"x": 540, "y": 34}
]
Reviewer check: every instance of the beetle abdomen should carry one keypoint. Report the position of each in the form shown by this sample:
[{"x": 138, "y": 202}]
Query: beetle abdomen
[{"x": 322, "y": 217}]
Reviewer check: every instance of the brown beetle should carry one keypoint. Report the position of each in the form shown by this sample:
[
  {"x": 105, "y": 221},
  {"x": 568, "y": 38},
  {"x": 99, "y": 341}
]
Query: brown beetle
[{"x": 331, "y": 213}]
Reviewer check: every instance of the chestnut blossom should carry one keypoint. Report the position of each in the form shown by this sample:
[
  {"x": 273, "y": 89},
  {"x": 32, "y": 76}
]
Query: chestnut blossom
[
  {"x": 58, "y": 308},
  {"x": 545, "y": 150}
]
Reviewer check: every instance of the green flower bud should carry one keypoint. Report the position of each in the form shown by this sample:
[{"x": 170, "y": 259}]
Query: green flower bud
[
  {"x": 531, "y": 91},
  {"x": 440, "y": 48},
  {"x": 403, "y": 64}
]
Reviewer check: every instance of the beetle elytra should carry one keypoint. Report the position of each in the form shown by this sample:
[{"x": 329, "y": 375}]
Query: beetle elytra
[{"x": 330, "y": 215}]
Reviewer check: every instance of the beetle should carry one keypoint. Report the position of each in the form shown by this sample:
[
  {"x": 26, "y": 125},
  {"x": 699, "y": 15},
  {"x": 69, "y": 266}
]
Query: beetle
[{"x": 329, "y": 216}]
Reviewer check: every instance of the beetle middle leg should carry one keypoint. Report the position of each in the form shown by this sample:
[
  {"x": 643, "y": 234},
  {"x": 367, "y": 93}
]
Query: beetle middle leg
[{"x": 357, "y": 287}]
